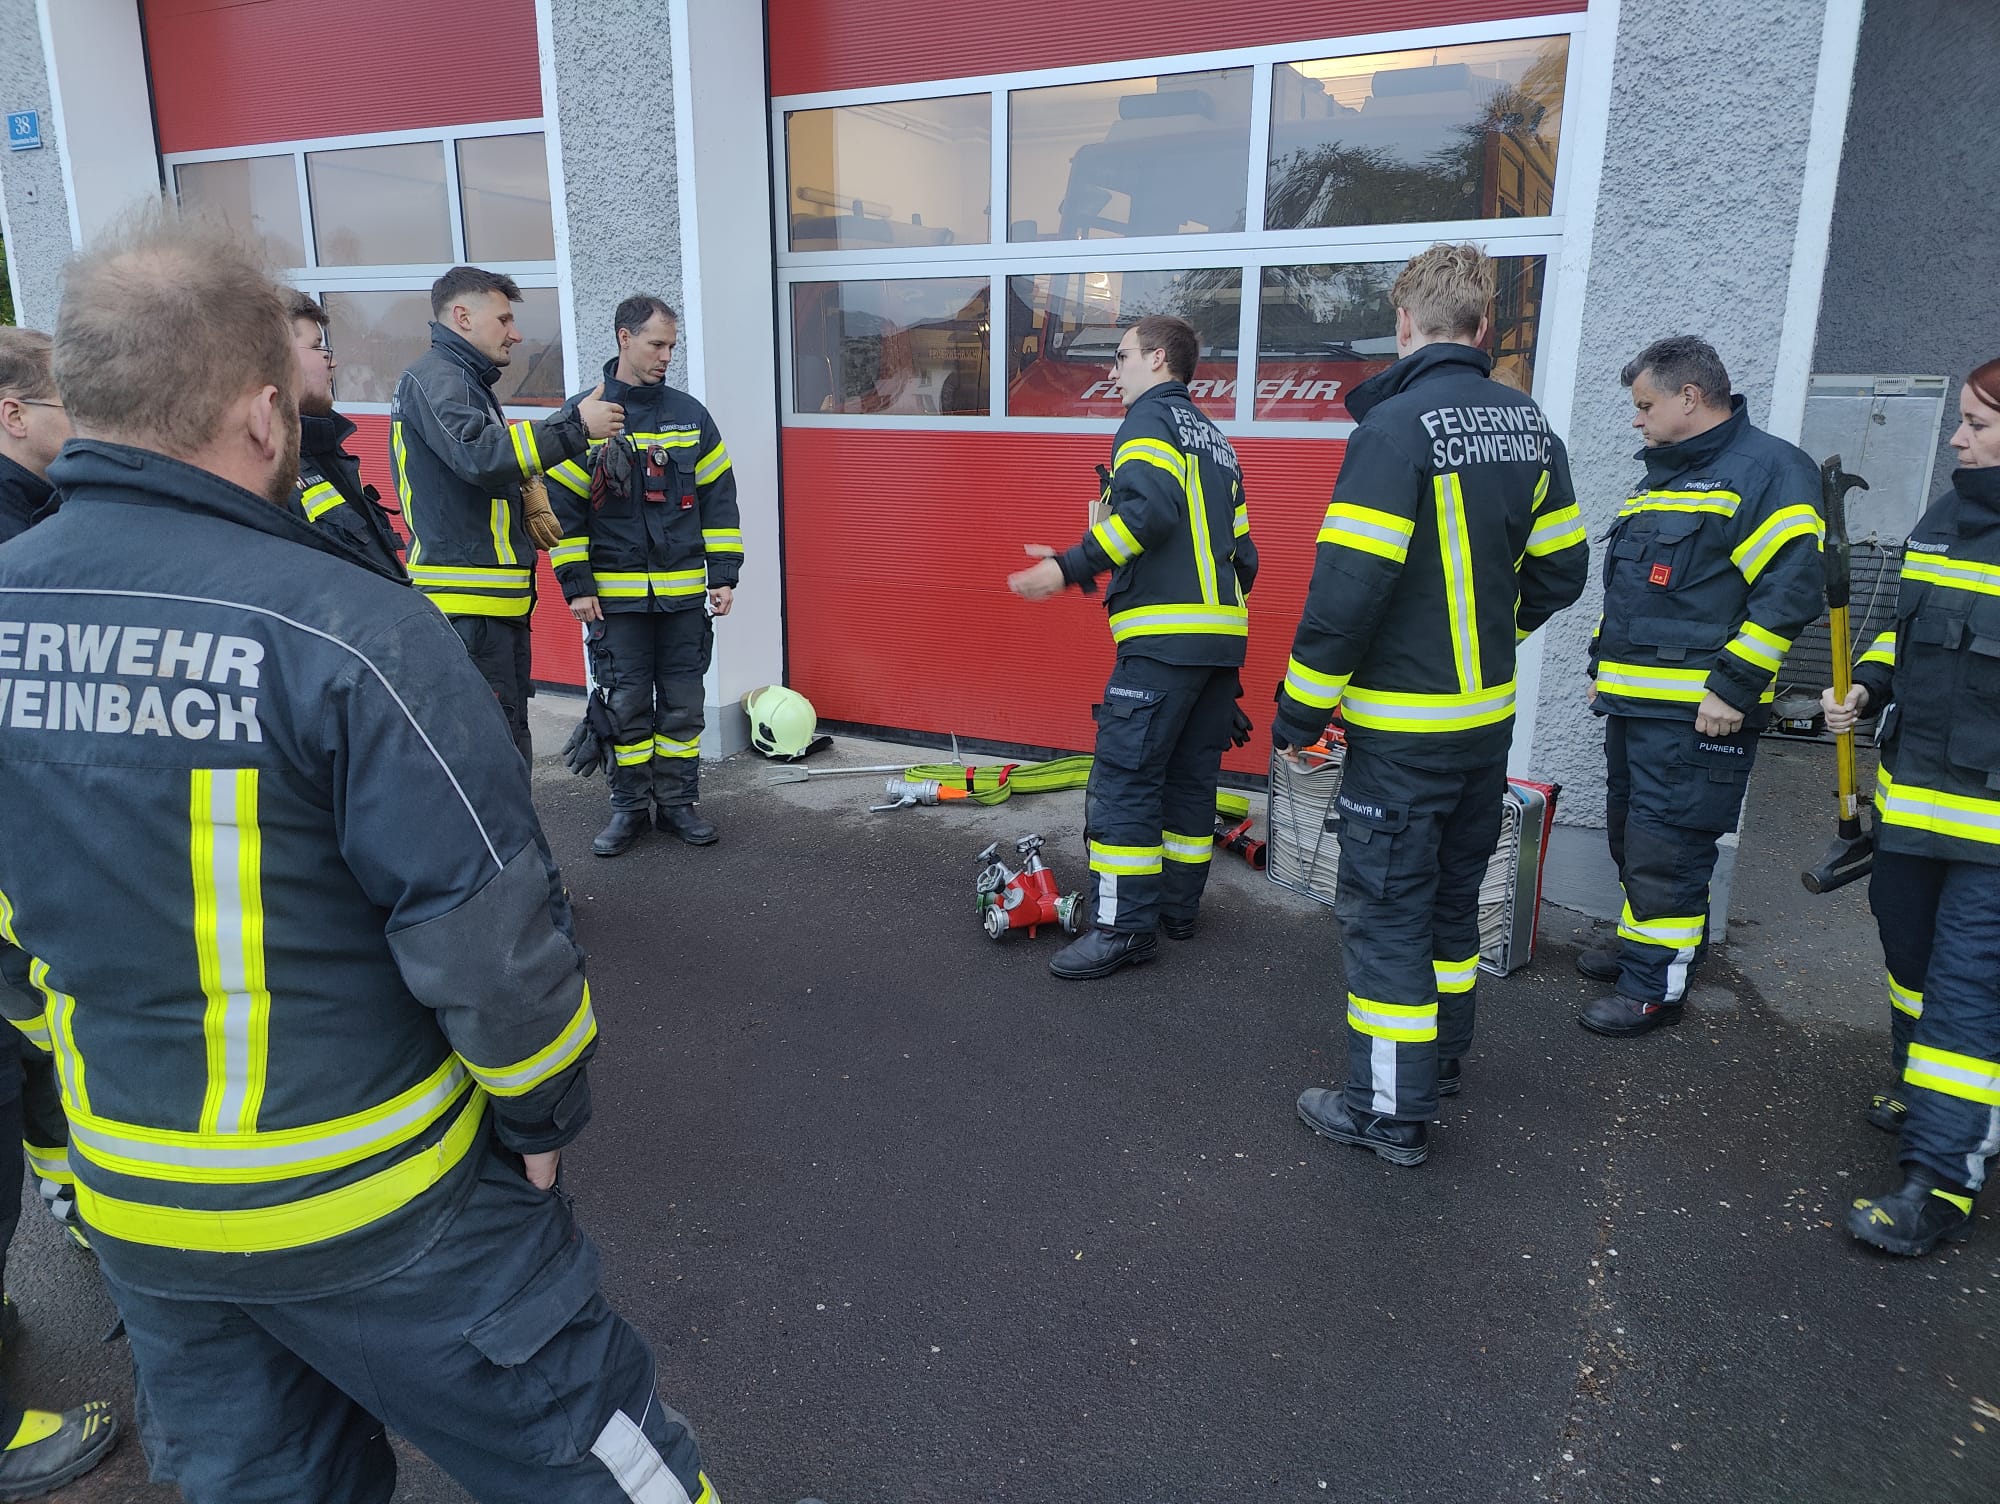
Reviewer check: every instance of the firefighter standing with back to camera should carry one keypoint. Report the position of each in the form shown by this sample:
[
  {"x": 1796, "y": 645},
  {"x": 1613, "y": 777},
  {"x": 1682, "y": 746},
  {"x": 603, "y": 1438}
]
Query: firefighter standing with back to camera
[
  {"x": 1453, "y": 534},
  {"x": 1176, "y": 538},
  {"x": 651, "y": 536},
  {"x": 1712, "y": 568}
]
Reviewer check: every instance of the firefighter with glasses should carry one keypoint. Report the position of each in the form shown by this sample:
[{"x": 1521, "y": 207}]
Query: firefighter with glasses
[
  {"x": 1452, "y": 535},
  {"x": 1174, "y": 533}
]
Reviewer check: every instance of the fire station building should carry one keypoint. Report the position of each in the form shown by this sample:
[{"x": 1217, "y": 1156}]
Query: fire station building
[{"x": 904, "y": 236}]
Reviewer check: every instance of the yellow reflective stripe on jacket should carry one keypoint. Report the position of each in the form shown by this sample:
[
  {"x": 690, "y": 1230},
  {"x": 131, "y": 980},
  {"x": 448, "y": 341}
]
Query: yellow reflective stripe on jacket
[
  {"x": 403, "y": 488},
  {"x": 673, "y": 746},
  {"x": 1368, "y": 531},
  {"x": 1310, "y": 687},
  {"x": 1426, "y": 714},
  {"x": 1952, "y": 574},
  {"x": 552, "y": 1059},
  {"x": 1204, "y": 547},
  {"x": 1240, "y": 522},
  {"x": 1183, "y": 848},
  {"x": 1645, "y": 681},
  {"x": 1960, "y": 815},
  {"x": 208, "y": 1158},
  {"x": 502, "y": 526},
  {"x": 1883, "y": 649},
  {"x": 62, "y": 1039},
  {"x": 569, "y": 551},
  {"x": 1556, "y": 531},
  {"x": 35, "y": 1030},
  {"x": 312, "y": 1219},
  {"x": 451, "y": 588},
  {"x": 1755, "y": 552},
  {"x": 1461, "y": 600},
  {"x": 479, "y": 605},
  {"x": 1153, "y": 452},
  {"x": 571, "y": 476},
  {"x": 1716, "y": 503},
  {"x": 1454, "y": 977},
  {"x": 1760, "y": 648},
  {"x": 712, "y": 464},
  {"x": 1904, "y": 999},
  {"x": 527, "y": 453},
  {"x": 1411, "y": 1023},
  {"x": 226, "y": 849},
  {"x": 630, "y": 585},
  {"x": 1117, "y": 540},
  {"x": 722, "y": 540},
  {"x": 1678, "y": 932},
  {"x": 1955, "y": 1075},
  {"x": 1125, "y": 861},
  {"x": 1166, "y": 621},
  {"x": 49, "y": 1162},
  {"x": 319, "y": 499}
]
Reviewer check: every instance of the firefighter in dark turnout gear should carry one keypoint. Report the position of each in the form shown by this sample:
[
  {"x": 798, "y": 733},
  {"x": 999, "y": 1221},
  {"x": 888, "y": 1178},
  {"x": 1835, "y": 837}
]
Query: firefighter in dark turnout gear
[
  {"x": 459, "y": 467},
  {"x": 1935, "y": 888},
  {"x": 33, "y": 426},
  {"x": 1711, "y": 569},
  {"x": 1452, "y": 535},
  {"x": 331, "y": 493},
  {"x": 652, "y": 546},
  {"x": 319, "y": 1086},
  {"x": 1175, "y": 535}
]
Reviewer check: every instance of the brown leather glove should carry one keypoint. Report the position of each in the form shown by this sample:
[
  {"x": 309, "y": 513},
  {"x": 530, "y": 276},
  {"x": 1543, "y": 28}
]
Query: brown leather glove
[{"x": 539, "y": 516}]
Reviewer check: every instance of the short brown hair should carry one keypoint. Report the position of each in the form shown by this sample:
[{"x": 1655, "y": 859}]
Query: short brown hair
[
  {"x": 163, "y": 325},
  {"x": 25, "y": 369},
  {"x": 1984, "y": 381},
  {"x": 304, "y": 305},
  {"x": 461, "y": 280},
  {"x": 1446, "y": 290},
  {"x": 1162, "y": 331}
]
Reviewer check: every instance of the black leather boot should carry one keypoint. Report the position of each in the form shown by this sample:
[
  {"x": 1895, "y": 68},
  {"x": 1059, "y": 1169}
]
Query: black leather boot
[
  {"x": 1327, "y": 1114},
  {"x": 1915, "y": 1217},
  {"x": 686, "y": 822},
  {"x": 626, "y": 826},
  {"x": 1450, "y": 1075},
  {"x": 71, "y": 1444},
  {"x": 1098, "y": 953},
  {"x": 1886, "y": 1110},
  {"x": 1178, "y": 929},
  {"x": 1622, "y": 1017},
  {"x": 1600, "y": 962}
]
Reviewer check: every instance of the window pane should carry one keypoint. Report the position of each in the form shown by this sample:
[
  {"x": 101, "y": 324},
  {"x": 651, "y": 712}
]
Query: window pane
[
  {"x": 1137, "y": 156},
  {"x": 906, "y": 347},
  {"x": 258, "y": 197},
  {"x": 1322, "y": 330},
  {"x": 916, "y": 172},
  {"x": 1063, "y": 327},
  {"x": 504, "y": 184},
  {"x": 376, "y": 335},
  {"x": 1397, "y": 137},
  {"x": 380, "y": 205}
]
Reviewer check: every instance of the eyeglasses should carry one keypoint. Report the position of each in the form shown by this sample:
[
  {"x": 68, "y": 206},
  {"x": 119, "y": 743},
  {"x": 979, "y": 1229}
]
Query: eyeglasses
[
  {"x": 326, "y": 350},
  {"x": 34, "y": 402},
  {"x": 1121, "y": 355}
]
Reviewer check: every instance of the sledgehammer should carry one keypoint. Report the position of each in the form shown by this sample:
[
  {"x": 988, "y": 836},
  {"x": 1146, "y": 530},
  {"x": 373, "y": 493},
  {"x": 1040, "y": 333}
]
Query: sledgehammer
[{"x": 1852, "y": 854}]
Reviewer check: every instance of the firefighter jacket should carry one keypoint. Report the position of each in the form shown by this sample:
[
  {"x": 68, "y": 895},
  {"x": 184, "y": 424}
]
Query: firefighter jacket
[
  {"x": 330, "y": 494},
  {"x": 23, "y": 494},
  {"x": 1937, "y": 673},
  {"x": 1177, "y": 537},
  {"x": 1453, "y": 533},
  {"x": 664, "y": 539},
  {"x": 459, "y": 466},
  {"x": 1712, "y": 568},
  {"x": 270, "y": 886}
]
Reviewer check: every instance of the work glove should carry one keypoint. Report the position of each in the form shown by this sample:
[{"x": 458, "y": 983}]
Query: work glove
[
  {"x": 583, "y": 752},
  {"x": 539, "y": 516},
  {"x": 1239, "y": 727}
]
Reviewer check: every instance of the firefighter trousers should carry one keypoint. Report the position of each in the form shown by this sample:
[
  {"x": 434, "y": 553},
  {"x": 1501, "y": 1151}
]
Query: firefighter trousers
[
  {"x": 503, "y": 653},
  {"x": 1940, "y": 924},
  {"x": 494, "y": 1354},
  {"x": 1149, "y": 811},
  {"x": 1414, "y": 845},
  {"x": 653, "y": 662},
  {"x": 1671, "y": 793}
]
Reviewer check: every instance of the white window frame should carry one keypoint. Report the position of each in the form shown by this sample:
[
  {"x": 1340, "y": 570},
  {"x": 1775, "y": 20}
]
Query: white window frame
[
  {"x": 1252, "y": 249},
  {"x": 319, "y": 280}
]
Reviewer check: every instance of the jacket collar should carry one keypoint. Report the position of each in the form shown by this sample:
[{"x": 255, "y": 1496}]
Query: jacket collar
[
  {"x": 626, "y": 393},
  {"x": 449, "y": 343},
  {"x": 18, "y": 481},
  {"x": 318, "y": 435},
  {"x": 1413, "y": 368},
  {"x": 1672, "y": 459},
  {"x": 1978, "y": 497}
]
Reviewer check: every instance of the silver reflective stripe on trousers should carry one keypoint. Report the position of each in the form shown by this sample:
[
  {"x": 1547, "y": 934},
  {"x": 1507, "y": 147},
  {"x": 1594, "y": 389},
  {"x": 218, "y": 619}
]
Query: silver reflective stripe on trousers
[
  {"x": 1107, "y": 900},
  {"x": 632, "y": 1459},
  {"x": 1382, "y": 1068}
]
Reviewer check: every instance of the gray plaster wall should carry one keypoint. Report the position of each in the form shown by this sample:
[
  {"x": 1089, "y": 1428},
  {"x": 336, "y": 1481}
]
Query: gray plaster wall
[
  {"x": 31, "y": 182},
  {"x": 1913, "y": 263},
  {"x": 614, "y": 102},
  {"x": 1694, "y": 230}
]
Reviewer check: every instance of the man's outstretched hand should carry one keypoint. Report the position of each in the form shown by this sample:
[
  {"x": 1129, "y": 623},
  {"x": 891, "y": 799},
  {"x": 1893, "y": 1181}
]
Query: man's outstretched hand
[{"x": 1041, "y": 579}]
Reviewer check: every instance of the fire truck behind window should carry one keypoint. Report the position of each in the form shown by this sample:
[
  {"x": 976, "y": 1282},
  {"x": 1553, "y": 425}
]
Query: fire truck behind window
[
  {"x": 380, "y": 205},
  {"x": 1397, "y": 137},
  {"x": 376, "y": 335},
  {"x": 915, "y": 348},
  {"x": 914, "y": 172},
  {"x": 1064, "y": 327},
  {"x": 1136, "y": 156},
  {"x": 257, "y": 197},
  {"x": 504, "y": 184},
  {"x": 1323, "y": 330}
]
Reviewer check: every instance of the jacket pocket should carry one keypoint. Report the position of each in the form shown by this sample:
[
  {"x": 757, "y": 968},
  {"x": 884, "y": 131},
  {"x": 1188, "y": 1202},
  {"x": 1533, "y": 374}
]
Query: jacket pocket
[
  {"x": 1655, "y": 550},
  {"x": 1975, "y": 712},
  {"x": 1673, "y": 639},
  {"x": 1372, "y": 833}
]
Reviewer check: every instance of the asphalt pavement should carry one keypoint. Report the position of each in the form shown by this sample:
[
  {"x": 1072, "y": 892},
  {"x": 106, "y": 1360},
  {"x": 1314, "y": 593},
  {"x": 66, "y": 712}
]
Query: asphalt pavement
[{"x": 907, "y": 1219}]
